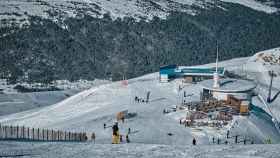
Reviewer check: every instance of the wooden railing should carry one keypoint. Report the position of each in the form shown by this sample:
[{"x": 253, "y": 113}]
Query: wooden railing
[{"x": 38, "y": 134}]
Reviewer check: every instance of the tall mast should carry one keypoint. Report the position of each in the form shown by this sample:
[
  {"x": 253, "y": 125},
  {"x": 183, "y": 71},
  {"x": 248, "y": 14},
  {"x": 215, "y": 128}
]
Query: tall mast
[
  {"x": 217, "y": 57},
  {"x": 216, "y": 83}
]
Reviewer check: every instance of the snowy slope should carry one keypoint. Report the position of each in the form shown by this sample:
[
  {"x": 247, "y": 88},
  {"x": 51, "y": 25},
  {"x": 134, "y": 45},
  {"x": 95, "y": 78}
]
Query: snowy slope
[
  {"x": 263, "y": 62},
  {"x": 18, "y": 102},
  {"x": 258, "y": 67},
  {"x": 12, "y": 101},
  {"x": 89, "y": 150},
  {"x": 254, "y": 5},
  {"x": 90, "y": 109},
  {"x": 20, "y": 10}
]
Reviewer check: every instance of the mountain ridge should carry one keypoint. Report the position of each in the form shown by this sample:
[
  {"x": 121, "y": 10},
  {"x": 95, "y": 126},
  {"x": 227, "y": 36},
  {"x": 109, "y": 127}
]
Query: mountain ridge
[
  {"x": 57, "y": 10},
  {"x": 87, "y": 47}
]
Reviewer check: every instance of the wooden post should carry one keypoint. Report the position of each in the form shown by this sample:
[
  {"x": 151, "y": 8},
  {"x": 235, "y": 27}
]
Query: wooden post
[
  {"x": 11, "y": 131},
  {"x": 33, "y": 131},
  {"x": 72, "y": 136},
  {"x": 52, "y": 136},
  {"x": 43, "y": 134},
  {"x": 38, "y": 132},
  {"x": 5, "y": 131},
  {"x": 47, "y": 135},
  {"x": 23, "y": 129},
  {"x": 58, "y": 136},
  {"x": 28, "y": 135},
  {"x": 68, "y": 136},
  {"x": 17, "y": 132},
  {"x": 65, "y": 133}
]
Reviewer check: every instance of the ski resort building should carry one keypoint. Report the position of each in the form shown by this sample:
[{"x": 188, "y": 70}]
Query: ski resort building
[
  {"x": 240, "y": 89},
  {"x": 190, "y": 74},
  {"x": 234, "y": 92}
]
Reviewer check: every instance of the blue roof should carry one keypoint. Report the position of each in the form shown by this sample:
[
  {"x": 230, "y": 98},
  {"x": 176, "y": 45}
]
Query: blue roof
[
  {"x": 203, "y": 70},
  {"x": 196, "y": 71}
]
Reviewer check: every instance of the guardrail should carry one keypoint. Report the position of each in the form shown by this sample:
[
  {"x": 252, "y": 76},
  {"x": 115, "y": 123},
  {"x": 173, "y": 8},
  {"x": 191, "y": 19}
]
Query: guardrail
[{"x": 22, "y": 133}]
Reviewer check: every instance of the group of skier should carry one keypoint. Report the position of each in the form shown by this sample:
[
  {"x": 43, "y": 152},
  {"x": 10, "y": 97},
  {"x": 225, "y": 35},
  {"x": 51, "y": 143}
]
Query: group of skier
[
  {"x": 117, "y": 138},
  {"x": 139, "y": 100}
]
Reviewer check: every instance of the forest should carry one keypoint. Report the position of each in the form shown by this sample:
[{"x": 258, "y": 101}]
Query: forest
[{"x": 106, "y": 48}]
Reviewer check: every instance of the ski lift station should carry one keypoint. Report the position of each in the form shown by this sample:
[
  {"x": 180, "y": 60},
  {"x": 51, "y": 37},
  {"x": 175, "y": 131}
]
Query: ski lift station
[{"x": 190, "y": 74}]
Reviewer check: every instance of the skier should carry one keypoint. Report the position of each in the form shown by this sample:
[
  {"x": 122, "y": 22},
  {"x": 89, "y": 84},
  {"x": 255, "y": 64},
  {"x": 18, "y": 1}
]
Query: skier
[
  {"x": 122, "y": 119},
  {"x": 104, "y": 125},
  {"x": 129, "y": 130},
  {"x": 127, "y": 139},
  {"x": 93, "y": 137},
  {"x": 121, "y": 140},
  {"x": 194, "y": 141},
  {"x": 116, "y": 135},
  {"x": 227, "y": 134}
]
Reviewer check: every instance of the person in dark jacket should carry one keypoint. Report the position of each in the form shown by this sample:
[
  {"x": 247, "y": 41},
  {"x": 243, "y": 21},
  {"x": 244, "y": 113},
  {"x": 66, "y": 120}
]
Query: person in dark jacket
[
  {"x": 121, "y": 140},
  {"x": 127, "y": 139},
  {"x": 194, "y": 141},
  {"x": 93, "y": 137},
  {"x": 115, "y": 129}
]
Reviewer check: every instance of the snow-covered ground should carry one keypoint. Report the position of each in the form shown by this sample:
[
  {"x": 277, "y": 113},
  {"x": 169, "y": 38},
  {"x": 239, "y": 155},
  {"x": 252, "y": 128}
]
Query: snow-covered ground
[
  {"x": 20, "y": 10},
  {"x": 12, "y": 101},
  {"x": 254, "y": 5},
  {"x": 78, "y": 85},
  {"x": 257, "y": 68},
  {"x": 18, "y": 102},
  {"x": 90, "y": 109},
  {"x": 153, "y": 134},
  {"x": 89, "y": 150}
]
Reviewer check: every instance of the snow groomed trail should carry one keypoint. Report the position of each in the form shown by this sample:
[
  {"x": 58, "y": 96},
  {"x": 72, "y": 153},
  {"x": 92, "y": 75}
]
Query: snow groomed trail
[{"x": 89, "y": 150}]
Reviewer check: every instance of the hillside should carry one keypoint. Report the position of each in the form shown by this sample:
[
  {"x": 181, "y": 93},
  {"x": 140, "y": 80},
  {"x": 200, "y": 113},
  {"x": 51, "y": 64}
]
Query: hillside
[
  {"x": 63, "y": 40},
  {"x": 258, "y": 68},
  {"x": 90, "y": 109},
  {"x": 20, "y": 10}
]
